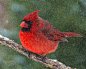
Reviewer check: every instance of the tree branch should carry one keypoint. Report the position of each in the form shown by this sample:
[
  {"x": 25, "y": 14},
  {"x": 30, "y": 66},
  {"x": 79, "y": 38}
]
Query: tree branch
[{"x": 54, "y": 64}]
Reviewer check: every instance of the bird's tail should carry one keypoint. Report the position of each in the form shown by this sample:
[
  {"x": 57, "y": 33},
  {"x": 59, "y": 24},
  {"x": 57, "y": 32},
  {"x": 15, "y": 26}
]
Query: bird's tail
[{"x": 69, "y": 34}]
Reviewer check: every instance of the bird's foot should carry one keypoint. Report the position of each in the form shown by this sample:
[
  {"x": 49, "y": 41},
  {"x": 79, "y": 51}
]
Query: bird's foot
[
  {"x": 29, "y": 54},
  {"x": 44, "y": 58}
]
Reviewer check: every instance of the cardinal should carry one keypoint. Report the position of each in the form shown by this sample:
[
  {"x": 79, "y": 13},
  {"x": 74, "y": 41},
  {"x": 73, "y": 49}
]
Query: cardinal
[{"x": 39, "y": 36}]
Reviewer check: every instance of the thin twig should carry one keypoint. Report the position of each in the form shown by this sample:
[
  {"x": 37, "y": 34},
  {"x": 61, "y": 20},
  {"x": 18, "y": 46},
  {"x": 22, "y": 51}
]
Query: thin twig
[{"x": 54, "y": 64}]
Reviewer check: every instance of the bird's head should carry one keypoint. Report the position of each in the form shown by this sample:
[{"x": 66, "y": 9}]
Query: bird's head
[{"x": 28, "y": 20}]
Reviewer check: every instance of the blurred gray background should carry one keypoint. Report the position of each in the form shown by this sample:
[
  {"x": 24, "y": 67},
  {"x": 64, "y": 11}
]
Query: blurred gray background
[{"x": 66, "y": 15}]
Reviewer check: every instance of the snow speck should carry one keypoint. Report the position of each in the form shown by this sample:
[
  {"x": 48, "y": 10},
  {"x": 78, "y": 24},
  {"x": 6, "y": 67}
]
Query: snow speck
[
  {"x": 7, "y": 21},
  {"x": 53, "y": 60},
  {"x": 5, "y": 38}
]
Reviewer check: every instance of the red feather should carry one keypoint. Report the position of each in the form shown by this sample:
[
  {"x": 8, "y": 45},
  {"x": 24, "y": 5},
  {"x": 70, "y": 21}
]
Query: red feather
[{"x": 39, "y": 36}]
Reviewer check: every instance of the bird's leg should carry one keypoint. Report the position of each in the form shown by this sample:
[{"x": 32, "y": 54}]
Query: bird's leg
[{"x": 44, "y": 58}]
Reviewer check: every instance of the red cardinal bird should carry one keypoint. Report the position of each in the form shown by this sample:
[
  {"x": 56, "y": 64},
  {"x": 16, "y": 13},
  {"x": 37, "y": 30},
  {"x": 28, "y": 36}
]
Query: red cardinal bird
[{"x": 39, "y": 36}]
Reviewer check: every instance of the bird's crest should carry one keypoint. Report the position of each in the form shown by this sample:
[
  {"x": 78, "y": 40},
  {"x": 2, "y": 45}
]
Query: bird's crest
[{"x": 32, "y": 16}]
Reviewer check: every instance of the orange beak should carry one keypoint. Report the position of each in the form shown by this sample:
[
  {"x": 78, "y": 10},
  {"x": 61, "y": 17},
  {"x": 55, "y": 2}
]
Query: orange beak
[{"x": 23, "y": 24}]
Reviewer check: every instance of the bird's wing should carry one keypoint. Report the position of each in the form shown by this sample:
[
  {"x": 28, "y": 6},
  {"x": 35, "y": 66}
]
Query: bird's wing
[{"x": 52, "y": 33}]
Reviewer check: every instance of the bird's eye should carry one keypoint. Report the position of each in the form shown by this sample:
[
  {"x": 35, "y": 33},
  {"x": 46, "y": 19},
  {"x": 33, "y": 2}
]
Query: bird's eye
[{"x": 29, "y": 22}]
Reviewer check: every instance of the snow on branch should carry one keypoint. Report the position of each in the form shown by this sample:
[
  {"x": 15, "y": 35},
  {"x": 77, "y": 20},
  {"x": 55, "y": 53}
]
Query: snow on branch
[{"x": 54, "y": 64}]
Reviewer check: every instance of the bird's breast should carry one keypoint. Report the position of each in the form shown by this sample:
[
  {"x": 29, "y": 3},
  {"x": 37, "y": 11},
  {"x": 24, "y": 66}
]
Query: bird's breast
[{"x": 37, "y": 42}]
